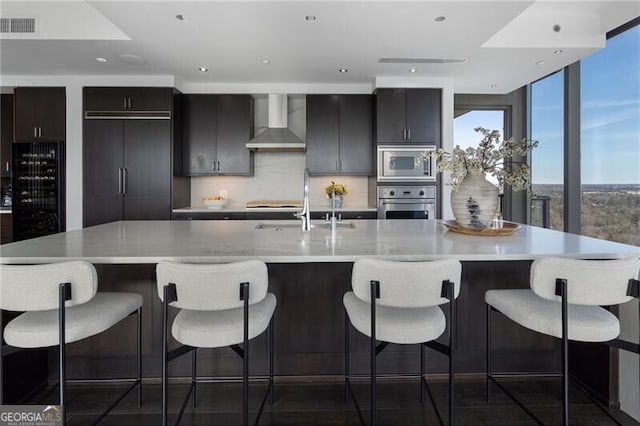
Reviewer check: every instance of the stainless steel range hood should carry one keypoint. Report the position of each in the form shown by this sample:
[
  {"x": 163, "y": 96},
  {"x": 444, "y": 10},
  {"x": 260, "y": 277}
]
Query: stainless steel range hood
[{"x": 277, "y": 137}]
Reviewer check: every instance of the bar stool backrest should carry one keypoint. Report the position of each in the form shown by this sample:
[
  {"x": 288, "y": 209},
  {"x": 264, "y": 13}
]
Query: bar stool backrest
[
  {"x": 405, "y": 284},
  {"x": 210, "y": 287},
  {"x": 589, "y": 282},
  {"x": 36, "y": 287}
]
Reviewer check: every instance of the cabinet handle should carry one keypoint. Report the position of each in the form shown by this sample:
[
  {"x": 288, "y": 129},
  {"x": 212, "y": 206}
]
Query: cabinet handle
[
  {"x": 409, "y": 134},
  {"x": 130, "y": 103},
  {"x": 39, "y": 132},
  {"x": 340, "y": 165},
  {"x": 6, "y": 165},
  {"x": 120, "y": 181},
  {"x": 124, "y": 103},
  {"x": 35, "y": 132},
  {"x": 404, "y": 134},
  {"x": 124, "y": 181},
  {"x": 214, "y": 166},
  {"x": 218, "y": 165}
]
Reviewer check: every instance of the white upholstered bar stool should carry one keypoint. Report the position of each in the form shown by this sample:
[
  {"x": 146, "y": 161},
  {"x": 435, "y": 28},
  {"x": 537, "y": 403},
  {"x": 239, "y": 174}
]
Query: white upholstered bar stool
[
  {"x": 406, "y": 311},
  {"x": 220, "y": 305},
  {"x": 61, "y": 306},
  {"x": 565, "y": 301}
]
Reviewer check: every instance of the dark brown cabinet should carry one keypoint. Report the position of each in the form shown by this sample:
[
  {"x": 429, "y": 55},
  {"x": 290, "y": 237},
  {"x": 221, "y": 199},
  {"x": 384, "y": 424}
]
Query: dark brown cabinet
[
  {"x": 215, "y": 131},
  {"x": 39, "y": 114},
  {"x": 127, "y": 173},
  {"x": 6, "y": 228},
  {"x": 6, "y": 134},
  {"x": 339, "y": 135},
  {"x": 408, "y": 116},
  {"x": 114, "y": 99}
]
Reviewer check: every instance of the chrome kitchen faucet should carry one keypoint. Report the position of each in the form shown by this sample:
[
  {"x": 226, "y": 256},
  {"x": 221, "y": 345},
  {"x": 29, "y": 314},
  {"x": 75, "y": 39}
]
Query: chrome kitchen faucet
[{"x": 305, "y": 214}]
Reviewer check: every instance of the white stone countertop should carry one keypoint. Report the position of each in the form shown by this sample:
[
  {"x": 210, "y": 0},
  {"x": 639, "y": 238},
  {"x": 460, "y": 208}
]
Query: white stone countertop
[
  {"x": 5, "y": 210},
  {"x": 224, "y": 241},
  {"x": 243, "y": 209}
]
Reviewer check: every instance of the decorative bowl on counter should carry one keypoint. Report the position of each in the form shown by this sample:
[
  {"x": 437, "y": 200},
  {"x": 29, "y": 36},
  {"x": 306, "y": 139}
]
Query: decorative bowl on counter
[{"x": 212, "y": 203}]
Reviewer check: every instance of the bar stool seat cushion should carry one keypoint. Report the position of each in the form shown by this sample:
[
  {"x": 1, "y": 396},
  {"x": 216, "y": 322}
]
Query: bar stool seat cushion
[
  {"x": 396, "y": 325},
  {"x": 586, "y": 323},
  {"x": 38, "y": 329},
  {"x": 215, "y": 329}
]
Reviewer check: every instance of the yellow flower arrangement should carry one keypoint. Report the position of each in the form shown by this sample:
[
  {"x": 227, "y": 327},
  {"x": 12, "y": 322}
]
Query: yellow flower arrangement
[{"x": 338, "y": 188}]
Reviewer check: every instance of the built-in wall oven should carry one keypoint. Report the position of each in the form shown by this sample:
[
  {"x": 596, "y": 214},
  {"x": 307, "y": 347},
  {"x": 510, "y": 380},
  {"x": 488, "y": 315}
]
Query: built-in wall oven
[
  {"x": 405, "y": 163},
  {"x": 406, "y": 202}
]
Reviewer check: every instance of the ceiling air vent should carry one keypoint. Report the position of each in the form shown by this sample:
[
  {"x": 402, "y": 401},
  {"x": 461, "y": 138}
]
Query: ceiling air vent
[
  {"x": 422, "y": 60},
  {"x": 18, "y": 25}
]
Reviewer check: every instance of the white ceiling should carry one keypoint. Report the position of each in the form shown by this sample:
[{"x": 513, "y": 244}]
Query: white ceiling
[{"x": 501, "y": 40}]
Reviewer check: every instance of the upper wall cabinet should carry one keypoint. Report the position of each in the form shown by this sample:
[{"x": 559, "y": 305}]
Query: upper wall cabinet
[
  {"x": 39, "y": 114},
  {"x": 128, "y": 99},
  {"x": 215, "y": 131},
  {"x": 340, "y": 135},
  {"x": 410, "y": 116}
]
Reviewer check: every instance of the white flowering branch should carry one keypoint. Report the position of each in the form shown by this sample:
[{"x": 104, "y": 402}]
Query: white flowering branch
[{"x": 492, "y": 156}]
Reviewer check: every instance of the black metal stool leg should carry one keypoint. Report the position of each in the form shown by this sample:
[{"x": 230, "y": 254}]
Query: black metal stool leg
[
  {"x": 245, "y": 358},
  {"x": 139, "y": 355},
  {"x": 374, "y": 295},
  {"x": 194, "y": 369},
  {"x": 488, "y": 369},
  {"x": 346, "y": 357},
  {"x": 64, "y": 295},
  {"x": 421, "y": 373},
  {"x": 271, "y": 339},
  {"x": 565, "y": 353},
  {"x": 452, "y": 364}
]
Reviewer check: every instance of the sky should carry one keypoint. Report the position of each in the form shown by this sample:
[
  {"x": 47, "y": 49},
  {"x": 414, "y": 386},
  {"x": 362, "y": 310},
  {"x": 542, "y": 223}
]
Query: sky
[{"x": 610, "y": 118}]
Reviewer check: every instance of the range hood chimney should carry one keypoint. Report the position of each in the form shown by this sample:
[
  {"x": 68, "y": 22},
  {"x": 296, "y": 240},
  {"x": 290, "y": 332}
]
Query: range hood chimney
[{"x": 277, "y": 137}]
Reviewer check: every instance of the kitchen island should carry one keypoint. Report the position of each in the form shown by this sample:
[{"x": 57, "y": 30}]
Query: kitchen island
[
  {"x": 142, "y": 242},
  {"x": 309, "y": 273}
]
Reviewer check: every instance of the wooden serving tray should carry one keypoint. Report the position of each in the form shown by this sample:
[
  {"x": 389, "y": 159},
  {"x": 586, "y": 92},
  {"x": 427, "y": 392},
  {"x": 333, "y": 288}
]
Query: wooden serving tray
[{"x": 508, "y": 228}]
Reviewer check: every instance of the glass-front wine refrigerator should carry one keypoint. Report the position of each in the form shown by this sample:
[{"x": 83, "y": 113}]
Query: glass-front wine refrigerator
[{"x": 38, "y": 189}]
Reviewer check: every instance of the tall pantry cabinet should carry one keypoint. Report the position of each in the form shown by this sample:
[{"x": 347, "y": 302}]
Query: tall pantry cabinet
[{"x": 128, "y": 154}]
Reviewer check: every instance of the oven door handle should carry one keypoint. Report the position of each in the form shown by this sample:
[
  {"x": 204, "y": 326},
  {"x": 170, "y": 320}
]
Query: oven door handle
[{"x": 418, "y": 203}]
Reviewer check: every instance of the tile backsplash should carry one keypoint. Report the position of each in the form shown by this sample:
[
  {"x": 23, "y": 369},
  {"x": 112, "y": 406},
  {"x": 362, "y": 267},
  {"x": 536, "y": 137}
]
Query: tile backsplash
[{"x": 277, "y": 176}]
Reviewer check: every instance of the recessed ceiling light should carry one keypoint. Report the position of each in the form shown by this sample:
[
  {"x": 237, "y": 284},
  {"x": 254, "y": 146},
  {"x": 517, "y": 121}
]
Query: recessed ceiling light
[
  {"x": 412, "y": 70},
  {"x": 310, "y": 18},
  {"x": 203, "y": 69},
  {"x": 265, "y": 61},
  {"x": 493, "y": 86},
  {"x": 343, "y": 70},
  {"x": 101, "y": 59},
  {"x": 557, "y": 52},
  {"x": 180, "y": 17},
  {"x": 539, "y": 62},
  {"x": 440, "y": 18},
  {"x": 556, "y": 28}
]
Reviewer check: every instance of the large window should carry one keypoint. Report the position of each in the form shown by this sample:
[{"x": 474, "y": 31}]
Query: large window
[
  {"x": 610, "y": 140},
  {"x": 464, "y": 134},
  {"x": 547, "y": 127}
]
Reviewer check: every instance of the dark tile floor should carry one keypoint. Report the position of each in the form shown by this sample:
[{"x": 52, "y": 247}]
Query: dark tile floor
[{"x": 303, "y": 404}]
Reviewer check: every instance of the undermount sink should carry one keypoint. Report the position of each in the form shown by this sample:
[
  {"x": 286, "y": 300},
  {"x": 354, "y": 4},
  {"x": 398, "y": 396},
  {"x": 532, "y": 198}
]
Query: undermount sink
[
  {"x": 278, "y": 226},
  {"x": 341, "y": 225}
]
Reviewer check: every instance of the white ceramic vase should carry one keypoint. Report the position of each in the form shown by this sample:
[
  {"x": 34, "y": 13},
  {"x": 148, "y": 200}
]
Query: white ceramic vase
[
  {"x": 336, "y": 202},
  {"x": 474, "y": 202}
]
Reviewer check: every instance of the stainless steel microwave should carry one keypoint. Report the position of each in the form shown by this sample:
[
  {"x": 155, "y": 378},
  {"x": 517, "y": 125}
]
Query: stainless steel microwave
[{"x": 405, "y": 163}]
